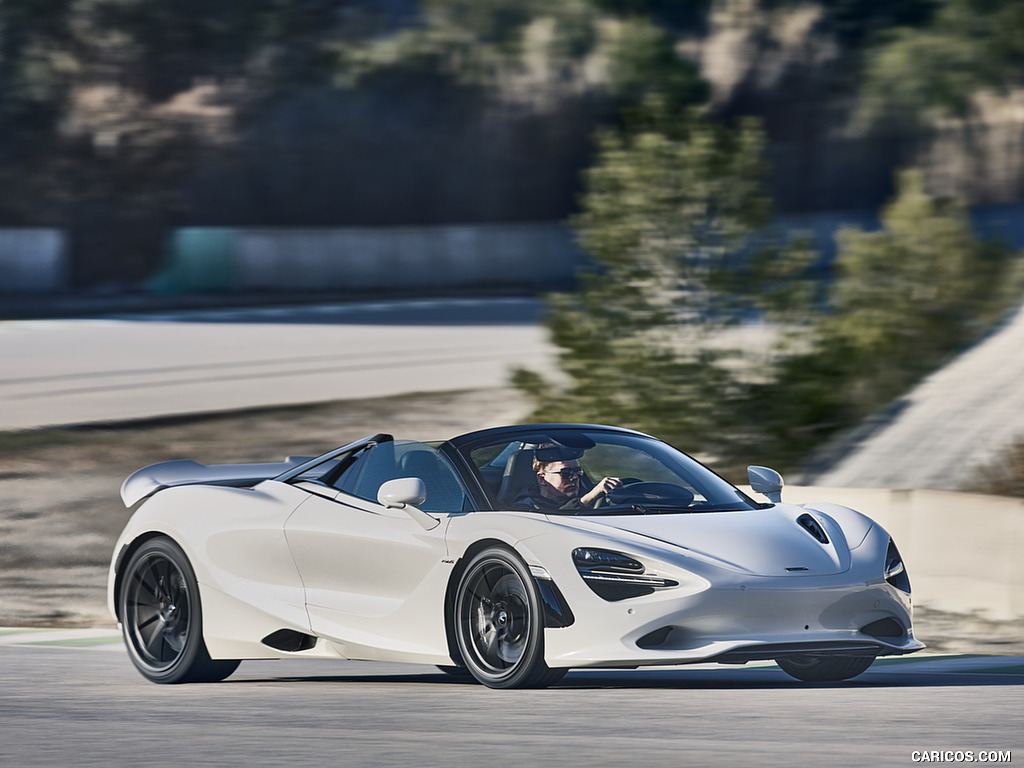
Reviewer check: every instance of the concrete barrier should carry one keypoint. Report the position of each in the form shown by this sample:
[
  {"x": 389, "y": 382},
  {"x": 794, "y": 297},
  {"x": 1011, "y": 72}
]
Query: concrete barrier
[
  {"x": 357, "y": 259},
  {"x": 198, "y": 260},
  {"x": 962, "y": 551},
  {"x": 33, "y": 261},
  {"x": 533, "y": 255},
  {"x": 404, "y": 258}
]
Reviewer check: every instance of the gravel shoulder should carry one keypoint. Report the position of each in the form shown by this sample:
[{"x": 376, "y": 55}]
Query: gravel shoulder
[{"x": 60, "y": 510}]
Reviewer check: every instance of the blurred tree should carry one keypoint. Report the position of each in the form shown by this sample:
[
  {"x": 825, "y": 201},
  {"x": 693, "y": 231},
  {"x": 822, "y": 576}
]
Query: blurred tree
[
  {"x": 903, "y": 299},
  {"x": 689, "y": 15},
  {"x": 32, "y": 95},
  {"x": 669, "y": 215},
  {"x": 108, "y": 106},
  {"x": 529, "y": 50},
  {"x": 105, "y": 106},
  {"x": 668, "y": 210},
  {"x": 644, "y": 60},
  {"x": 967, "y": 45},
  {"x": 855, "y": 21}
]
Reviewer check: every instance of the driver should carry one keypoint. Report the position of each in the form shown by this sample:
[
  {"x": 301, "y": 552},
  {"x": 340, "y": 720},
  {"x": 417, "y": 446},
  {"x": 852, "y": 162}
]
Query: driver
[{"x": 558, "y": 482}]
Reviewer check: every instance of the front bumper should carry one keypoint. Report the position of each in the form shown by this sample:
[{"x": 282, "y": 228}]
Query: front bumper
[{"x": 733, "y": 625}]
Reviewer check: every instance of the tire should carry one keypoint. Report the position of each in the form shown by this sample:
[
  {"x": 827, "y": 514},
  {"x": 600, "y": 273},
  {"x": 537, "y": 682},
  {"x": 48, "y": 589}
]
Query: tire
[
  {"x": 162, "y": 619},
  {"x": 499, "y": 623},
  {"x": 824, "y": 669}
]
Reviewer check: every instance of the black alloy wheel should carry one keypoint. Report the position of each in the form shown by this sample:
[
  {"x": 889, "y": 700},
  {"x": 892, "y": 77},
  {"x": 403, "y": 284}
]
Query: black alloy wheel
[
  {"x": 161, "y": 618},
  {"x": 499, "y": 623}
]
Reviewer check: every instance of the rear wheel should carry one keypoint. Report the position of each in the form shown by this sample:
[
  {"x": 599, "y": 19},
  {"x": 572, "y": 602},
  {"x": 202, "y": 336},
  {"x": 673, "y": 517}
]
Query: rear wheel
[
  {"x": 161, "y": 617},
  {"x": 499, "y": 623},
  {"x": 824, "y": 669}
]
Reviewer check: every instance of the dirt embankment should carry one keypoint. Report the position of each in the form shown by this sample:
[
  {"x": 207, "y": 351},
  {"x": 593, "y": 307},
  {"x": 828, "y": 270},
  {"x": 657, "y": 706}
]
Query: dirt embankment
[{"x": 60, "y": 511}]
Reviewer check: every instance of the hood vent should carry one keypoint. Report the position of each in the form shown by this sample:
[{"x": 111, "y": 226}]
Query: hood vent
[{"x": 813, "y": 527}]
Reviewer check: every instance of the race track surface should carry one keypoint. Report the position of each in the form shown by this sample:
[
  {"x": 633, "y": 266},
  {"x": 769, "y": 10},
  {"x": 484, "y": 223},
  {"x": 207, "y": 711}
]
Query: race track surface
[
  {"x": 122, "y": 368},
  {"x": 76, "y": 700}
]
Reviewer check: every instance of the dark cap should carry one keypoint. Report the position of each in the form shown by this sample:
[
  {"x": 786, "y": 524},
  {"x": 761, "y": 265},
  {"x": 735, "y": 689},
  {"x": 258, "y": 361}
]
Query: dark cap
[{"x": 557, "y": 453}]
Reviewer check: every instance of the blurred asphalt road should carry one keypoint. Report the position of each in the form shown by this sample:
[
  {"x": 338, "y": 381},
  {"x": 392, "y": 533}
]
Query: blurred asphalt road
[
  {"x": 89, "y": 707},
  {"x": 107, "y": 368}
]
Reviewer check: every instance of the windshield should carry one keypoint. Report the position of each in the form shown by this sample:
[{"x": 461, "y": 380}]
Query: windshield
[{"x": 562, "y": 469}]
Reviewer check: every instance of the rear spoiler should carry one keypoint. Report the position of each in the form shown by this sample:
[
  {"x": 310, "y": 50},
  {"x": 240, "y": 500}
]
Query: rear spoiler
[{"x": 168, "y": 474}]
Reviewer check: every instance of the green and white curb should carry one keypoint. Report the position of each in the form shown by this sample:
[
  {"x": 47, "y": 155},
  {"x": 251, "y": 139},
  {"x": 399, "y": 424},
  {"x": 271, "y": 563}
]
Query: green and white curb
[{"x": 104, "y": 639}]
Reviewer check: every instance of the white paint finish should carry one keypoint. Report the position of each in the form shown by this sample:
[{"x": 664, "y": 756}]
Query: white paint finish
[
  {"x": 375, "y": 581},
  {"x": 346, "y": 556},
  {"x": 962, "y": 550}
]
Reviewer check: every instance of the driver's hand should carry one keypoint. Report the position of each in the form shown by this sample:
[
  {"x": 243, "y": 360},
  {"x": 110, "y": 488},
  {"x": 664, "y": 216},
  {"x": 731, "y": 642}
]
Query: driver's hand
[{"x": 607, "y": 485}]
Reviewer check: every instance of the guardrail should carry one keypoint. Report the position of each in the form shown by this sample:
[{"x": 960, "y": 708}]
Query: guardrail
[
  {"x": 355, "y": 259},
  {"x": 33, "y": 261}
]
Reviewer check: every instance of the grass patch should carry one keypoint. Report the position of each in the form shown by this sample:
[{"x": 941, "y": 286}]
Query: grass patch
[{"x": 79, "y": 642}]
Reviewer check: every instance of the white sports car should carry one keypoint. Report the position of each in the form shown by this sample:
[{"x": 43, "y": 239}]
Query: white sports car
[{"x": 510, "y": 555}]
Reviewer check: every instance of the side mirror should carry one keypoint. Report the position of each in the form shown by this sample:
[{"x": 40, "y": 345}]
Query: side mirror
[
  {"x": 407, "y": 493},
  {"x": 767, "y": 482},
  {"x": 397, "y": 494}
]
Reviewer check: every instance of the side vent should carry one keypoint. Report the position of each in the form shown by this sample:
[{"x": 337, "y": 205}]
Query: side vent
[
  {"x": 813, "y": 527},
  {"x": 289, "y": 641}
]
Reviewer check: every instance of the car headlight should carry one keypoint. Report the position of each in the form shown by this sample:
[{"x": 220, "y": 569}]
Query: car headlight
[
  {"x": 615, "y": 576},
  {"x": 895, "y": 571}
]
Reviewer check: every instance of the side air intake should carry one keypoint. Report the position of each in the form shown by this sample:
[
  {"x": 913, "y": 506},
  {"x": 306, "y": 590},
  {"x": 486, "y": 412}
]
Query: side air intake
[{"x": 289, "y": 641}]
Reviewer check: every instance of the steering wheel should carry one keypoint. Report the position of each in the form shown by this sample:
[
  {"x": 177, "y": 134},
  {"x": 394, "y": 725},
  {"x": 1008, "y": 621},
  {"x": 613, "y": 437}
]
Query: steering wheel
[{"x": 634, "y": 491}]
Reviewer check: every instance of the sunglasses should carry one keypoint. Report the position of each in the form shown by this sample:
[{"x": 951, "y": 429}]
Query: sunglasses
[{"x": 567, "y": 473}]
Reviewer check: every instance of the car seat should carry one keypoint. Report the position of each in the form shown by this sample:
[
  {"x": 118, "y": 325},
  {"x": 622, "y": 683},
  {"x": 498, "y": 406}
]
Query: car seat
[{"x": 519, "y": 476}]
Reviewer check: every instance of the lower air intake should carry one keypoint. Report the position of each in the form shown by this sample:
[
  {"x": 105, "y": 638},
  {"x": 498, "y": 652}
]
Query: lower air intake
[
  {"x": 884, "y": 629},
  {"x": 289, "y": 641}
]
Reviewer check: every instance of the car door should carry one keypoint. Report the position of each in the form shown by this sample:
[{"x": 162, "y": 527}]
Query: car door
[{"x": 374, "y": 577}]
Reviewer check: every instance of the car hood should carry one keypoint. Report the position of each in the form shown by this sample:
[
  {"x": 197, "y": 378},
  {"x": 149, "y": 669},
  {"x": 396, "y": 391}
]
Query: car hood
[{"x": 782, "y": 540}]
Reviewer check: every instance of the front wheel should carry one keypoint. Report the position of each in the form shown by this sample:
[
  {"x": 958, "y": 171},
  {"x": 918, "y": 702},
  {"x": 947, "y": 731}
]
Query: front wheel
[
  {"x": 824, "y": 669},
  {"x": 161, "y": 617},
  {"x": 499, "y": 623}
]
